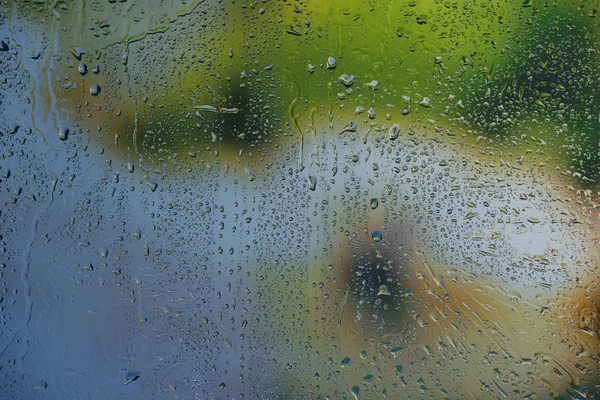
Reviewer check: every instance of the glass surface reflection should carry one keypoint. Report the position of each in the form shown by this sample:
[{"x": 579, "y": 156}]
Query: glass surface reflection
[{"x": 299, "y": 199}]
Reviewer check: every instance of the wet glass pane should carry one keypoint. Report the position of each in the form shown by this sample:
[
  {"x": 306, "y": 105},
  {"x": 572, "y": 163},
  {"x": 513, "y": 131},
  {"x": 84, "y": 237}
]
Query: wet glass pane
[{"x": 299, "y": 199}]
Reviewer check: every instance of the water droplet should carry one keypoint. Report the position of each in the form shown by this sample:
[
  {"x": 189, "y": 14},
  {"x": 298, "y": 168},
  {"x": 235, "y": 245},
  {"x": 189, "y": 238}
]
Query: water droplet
[
  {"x": 251, "y": 175},
  {"x": 206, "y": 108},
  {"x": 356, "y": 392},
  {"x": 312, "y": 182},
  {"x": 232, "y": 110},
  {"x": 293, "y": 31},
  {"x": 77, "y": 52},
  {"x": 331, "y": 63},
  {"x": 63, "y": 132},
  {"x": 153, "y": 185},
  {"x": 398, "y": 369},
  {"x": 131, "y": 377},
  {"x": 82, "y": 68},
  {"x": 94, "y": 89},
  {"x": 421, "y": 19},
  {"x": 426, "y": 102},
  {"x": 383, "y": 291},
  {"x": 377, "y": 236},
  {"x": 394, "y": 132},
  {"x": 347, "y": 80},
  {"x": 471, "y": 215},
  {"x": 373, "y": 84},
  {"x": 351, "y": 127},
  {"x": 374, "y": 203},
  {"x": 371, "y": 113}
]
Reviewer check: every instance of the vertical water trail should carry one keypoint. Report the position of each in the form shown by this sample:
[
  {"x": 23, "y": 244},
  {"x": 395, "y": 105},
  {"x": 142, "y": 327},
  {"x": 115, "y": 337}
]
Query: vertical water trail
[{"x": 41, "y": 211}]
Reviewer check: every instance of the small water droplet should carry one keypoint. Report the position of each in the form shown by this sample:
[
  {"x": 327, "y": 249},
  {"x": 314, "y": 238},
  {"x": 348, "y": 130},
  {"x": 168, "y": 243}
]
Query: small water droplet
[
  {"x": 398, "y": 369},
  {"x": 351, "y": 127},
  {"x": 371, "y": 113},
  {"x": 206, "y": 108},
  {"x": 377, "y": 236},
  {"x": 347, "y": 80},
  {"x": 312, "y": 182},
  {"x": 153, "y": 185},
  {"x": 331, "y": 63},
  {"x": 94, "y": 89},
  {"x": 229, "y": 110},
  {"x": 394, "y": 132},
  {"x": 63, "y": 132},
  {"x": 426, "y": 102},
  {"x": 471, "y": 215},
  {"x": 383, "y": 291},
  {"x": 131, "y": 377},
  {"x": 292, "y": 30},
  {"x": 77, "y": 52},
  {"x": 374, "y": 203},
  {"x": 251, "y": 175}
]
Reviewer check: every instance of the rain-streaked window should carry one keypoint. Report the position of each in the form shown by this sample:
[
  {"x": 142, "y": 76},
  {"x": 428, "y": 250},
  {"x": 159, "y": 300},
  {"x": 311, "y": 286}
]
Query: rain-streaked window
[{"x": 338, "y": 199}]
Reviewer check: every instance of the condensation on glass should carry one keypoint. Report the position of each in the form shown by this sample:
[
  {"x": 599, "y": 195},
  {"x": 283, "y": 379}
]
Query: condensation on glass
[{"x": 299, "y": 199}]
